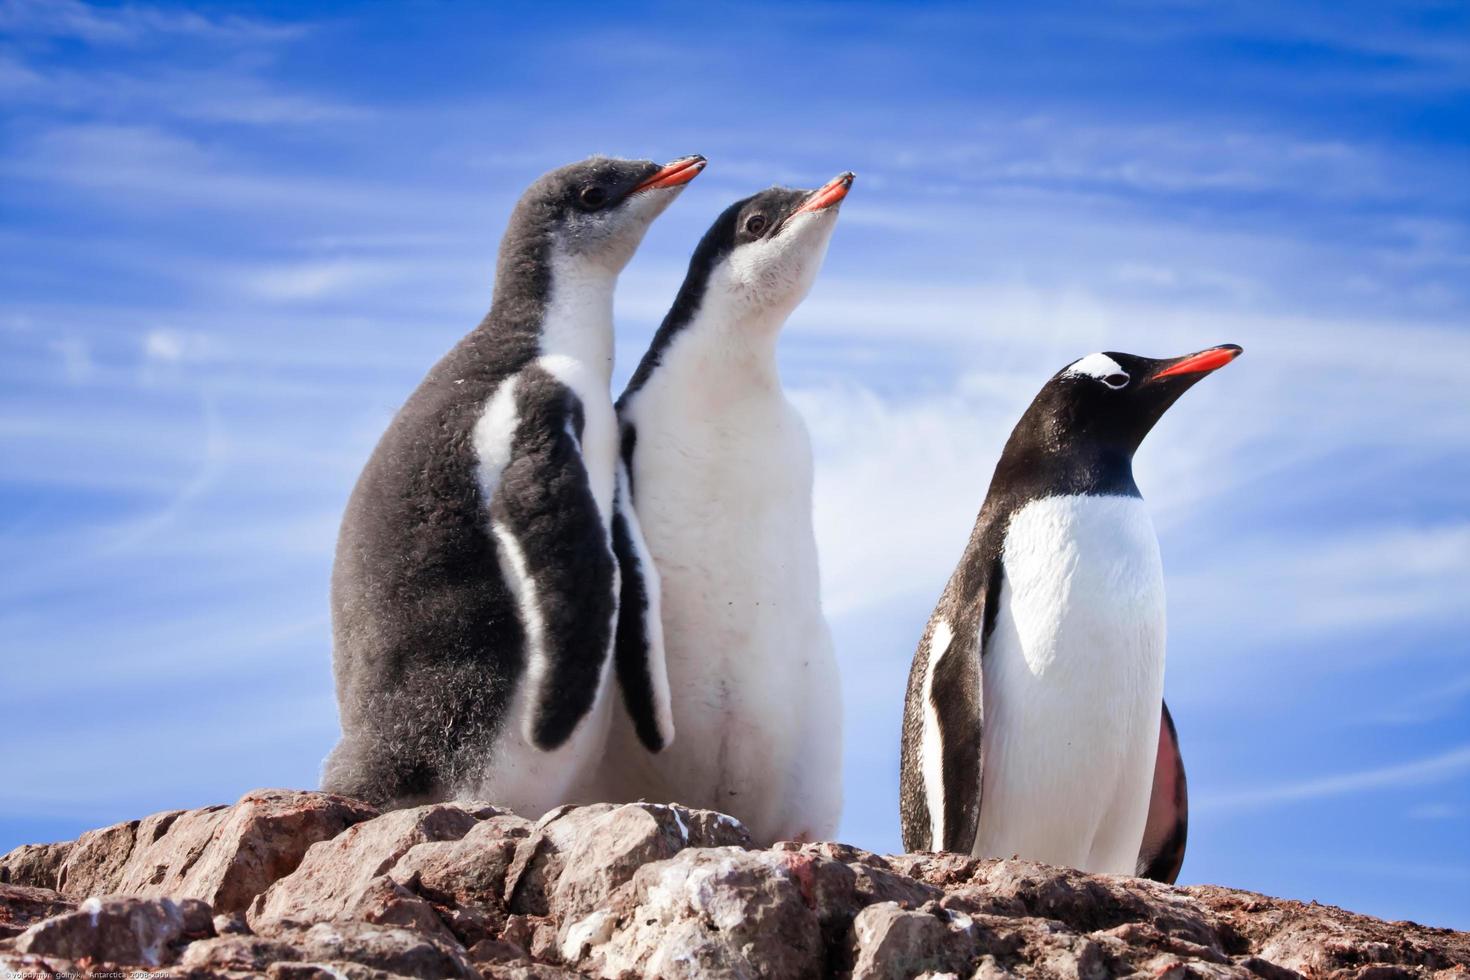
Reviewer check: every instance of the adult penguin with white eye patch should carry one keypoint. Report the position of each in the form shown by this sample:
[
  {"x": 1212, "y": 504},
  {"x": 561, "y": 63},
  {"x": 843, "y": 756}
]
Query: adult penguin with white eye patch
[
  {"x": 1034, "y": 724},
  {"x": 475, "y": 592},
  {"x": 719, "y": 475}
]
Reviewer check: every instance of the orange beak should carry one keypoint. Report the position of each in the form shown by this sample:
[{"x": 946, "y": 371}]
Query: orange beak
[
  {"x": 681, "y": 171},
  {"x": 1201, "y": 363},
  {"x": 828, "y": 194}
]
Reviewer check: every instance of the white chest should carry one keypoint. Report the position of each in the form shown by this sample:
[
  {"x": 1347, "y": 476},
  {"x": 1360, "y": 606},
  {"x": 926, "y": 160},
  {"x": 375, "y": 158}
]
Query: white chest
[
  {"x": 599, "y": 439},
  {"x": 723, "y": 488},
  {"x": 577, "y": 350},
  {"x": 1084, "y": 588},
  {"x": 724, "y": 492},
  {"x": 1073, "y": 681}
]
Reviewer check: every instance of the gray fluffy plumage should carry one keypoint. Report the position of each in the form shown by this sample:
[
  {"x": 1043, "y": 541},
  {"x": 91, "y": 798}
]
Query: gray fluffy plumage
[{"x": 428, "y": 646}]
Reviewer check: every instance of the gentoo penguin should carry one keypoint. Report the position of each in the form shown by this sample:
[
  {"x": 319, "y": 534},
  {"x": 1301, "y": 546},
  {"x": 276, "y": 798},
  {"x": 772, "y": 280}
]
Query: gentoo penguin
[
  {"x": 1033, "y": 725},
  {"x": 719, "y": 468},
  {"x": 475, "y": 591}
]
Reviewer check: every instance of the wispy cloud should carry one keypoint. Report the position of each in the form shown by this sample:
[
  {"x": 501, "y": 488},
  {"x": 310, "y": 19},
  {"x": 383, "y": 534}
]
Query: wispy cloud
[
  {"x": 132, "y": 23},
  {"x": 1438, "y": 768}
]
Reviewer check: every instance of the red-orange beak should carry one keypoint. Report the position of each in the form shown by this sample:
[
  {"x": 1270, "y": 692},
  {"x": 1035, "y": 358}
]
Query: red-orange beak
[
  {"x": 828, "y": 194},
  {"x": 681, "y": 171},
  {"x": 1201, "y": 363}
]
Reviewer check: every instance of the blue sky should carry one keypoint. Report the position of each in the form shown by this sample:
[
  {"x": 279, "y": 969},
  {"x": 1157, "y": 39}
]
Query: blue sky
[{"x": 234, "y": 237}]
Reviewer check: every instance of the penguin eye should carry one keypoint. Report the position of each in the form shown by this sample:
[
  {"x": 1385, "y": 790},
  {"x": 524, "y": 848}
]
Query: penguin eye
[
  {"x": 755, "y": 224},
  {"x": 1116, "y": 381},
  {"x": 593, "y": 197}
]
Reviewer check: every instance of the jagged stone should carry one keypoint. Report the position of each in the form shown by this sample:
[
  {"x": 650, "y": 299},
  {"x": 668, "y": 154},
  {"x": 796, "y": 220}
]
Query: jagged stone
[
  {"x": 393, "y": 950},
  {"x": 464, "y": 880},
  {"x": 891, "y": 943},
  {"x": 631, "y": 890},
  {"x": 34, "y": 865},
  {"x": 577, "y": 856},
  {"x": 236, "y": 953},
  {"x": 120, "y": 929},
  {"x": 347, "y": 877},
  {"x": 224, "y": 855},
  {"x": 22, "y": 907},
  {"x": 710, "y": 912}
]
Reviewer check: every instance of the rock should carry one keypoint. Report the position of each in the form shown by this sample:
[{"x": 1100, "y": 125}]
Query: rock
[
  {"x": 400, "y": 952},
  {"x": 632, "y": 890},
  {"x": 22, "y": 906},
  {"x": 236, "y": 953},
  {"x": 894, "y": 944},
  {"x": 225, "y": 855},
  {"x": 134, "y": 931},
  {"x": 464, "y": 880},
  {"x": 34, "y": 865},
  {"x": 578, "y": 856},
  {"x": 346, "y": 878},
  {"x": 231, "y": 924},
  {"x": 1320, "y": 940},
  {"x": 95, "y": 861},
  {"x": 709, "y": 912}
]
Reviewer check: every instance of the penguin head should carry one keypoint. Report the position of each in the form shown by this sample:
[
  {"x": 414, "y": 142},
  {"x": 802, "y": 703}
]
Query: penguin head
[
  {"x": 1111, "y": 400},
  {"x": 762, "y": 254},
  {"x": 596, "y": 212}
]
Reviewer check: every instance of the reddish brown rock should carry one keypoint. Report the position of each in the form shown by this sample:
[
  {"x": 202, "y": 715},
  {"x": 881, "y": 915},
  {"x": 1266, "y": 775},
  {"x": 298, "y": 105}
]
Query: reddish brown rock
[
  {"x": 236, "y": 954},
  {"x": 137, "y": 931},
  {"x": 467, "y": 871},
  {"x": 892, "y": 943},
  {"x": 224, "y": 855},
  {"x": 347, "y": 877},
  {"x": 464, "y": 890},
  {"x": 96, "y": 860},
  {"x": 710, "y": 912},
  {"x": 1320, "y": 940},
  {"x": 34, "y": 865},
  {"x": 578, "y": 856},
  {"x": 22, "y": 907},
  {"x": 401, "y": 952}
]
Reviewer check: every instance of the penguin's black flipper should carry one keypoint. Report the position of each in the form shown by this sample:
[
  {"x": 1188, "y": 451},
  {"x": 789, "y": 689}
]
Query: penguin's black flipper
[
  {"x": 941, "y": 768},
  {"x": 956, "y": 697},
  {"x": 554, "y": 552},
  {"x": 639, "y": 652},
  {"x": 1162, "y": 854}
]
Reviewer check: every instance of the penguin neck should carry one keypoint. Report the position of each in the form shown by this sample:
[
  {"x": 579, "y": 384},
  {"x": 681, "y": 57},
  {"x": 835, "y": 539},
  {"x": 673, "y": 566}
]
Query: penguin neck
[
  {"x": 736, "y": 353},
  {"x": 577, "y": 322},
  {"x": 1091, "y": 471}
]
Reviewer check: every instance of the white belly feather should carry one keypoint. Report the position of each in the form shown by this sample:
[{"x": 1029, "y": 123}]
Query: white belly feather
[
  {"x": 725, "y": 498},
  {"x": 1073, "y": 680}
]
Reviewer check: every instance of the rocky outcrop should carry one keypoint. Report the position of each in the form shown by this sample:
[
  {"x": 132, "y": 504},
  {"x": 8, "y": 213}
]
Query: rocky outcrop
[
  {"x": 308, "y": 885},
  {"x": 223, "y": 855}
]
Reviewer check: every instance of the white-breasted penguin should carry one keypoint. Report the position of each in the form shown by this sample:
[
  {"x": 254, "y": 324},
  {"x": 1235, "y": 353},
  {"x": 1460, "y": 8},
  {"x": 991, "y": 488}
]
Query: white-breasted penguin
[
  {"x": 475, "y": 590},
  {"x": 719, "y": 467},
  {"x": 1033, "y": 723}
]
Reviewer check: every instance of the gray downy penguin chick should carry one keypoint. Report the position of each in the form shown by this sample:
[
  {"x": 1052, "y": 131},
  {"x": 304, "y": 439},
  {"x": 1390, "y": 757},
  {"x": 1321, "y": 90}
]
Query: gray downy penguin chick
[
  {"x": 719, "y": 468},
  {"x": 474, "y": 593},
  {"x": 1034, "y": 724}
]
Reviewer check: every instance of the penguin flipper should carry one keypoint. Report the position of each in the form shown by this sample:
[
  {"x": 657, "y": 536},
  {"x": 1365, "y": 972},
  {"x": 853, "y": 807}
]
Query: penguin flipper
[
  {"x": 955, "y": 697},
  {"x": 639, "y": 652},
  {"x": 554, "y": 554},
  {"x": 1164, "y": 836}
]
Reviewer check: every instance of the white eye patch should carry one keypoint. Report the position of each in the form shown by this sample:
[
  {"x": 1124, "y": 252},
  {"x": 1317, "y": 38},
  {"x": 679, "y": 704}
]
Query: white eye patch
[{"x": 1103, "y": 368}]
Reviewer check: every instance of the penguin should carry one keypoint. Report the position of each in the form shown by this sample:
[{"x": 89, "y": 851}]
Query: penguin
[
  {"x": 475, "y": 591},
  {"x": 718, "y": 466},
  {"x": 1034, "y": 724}
]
